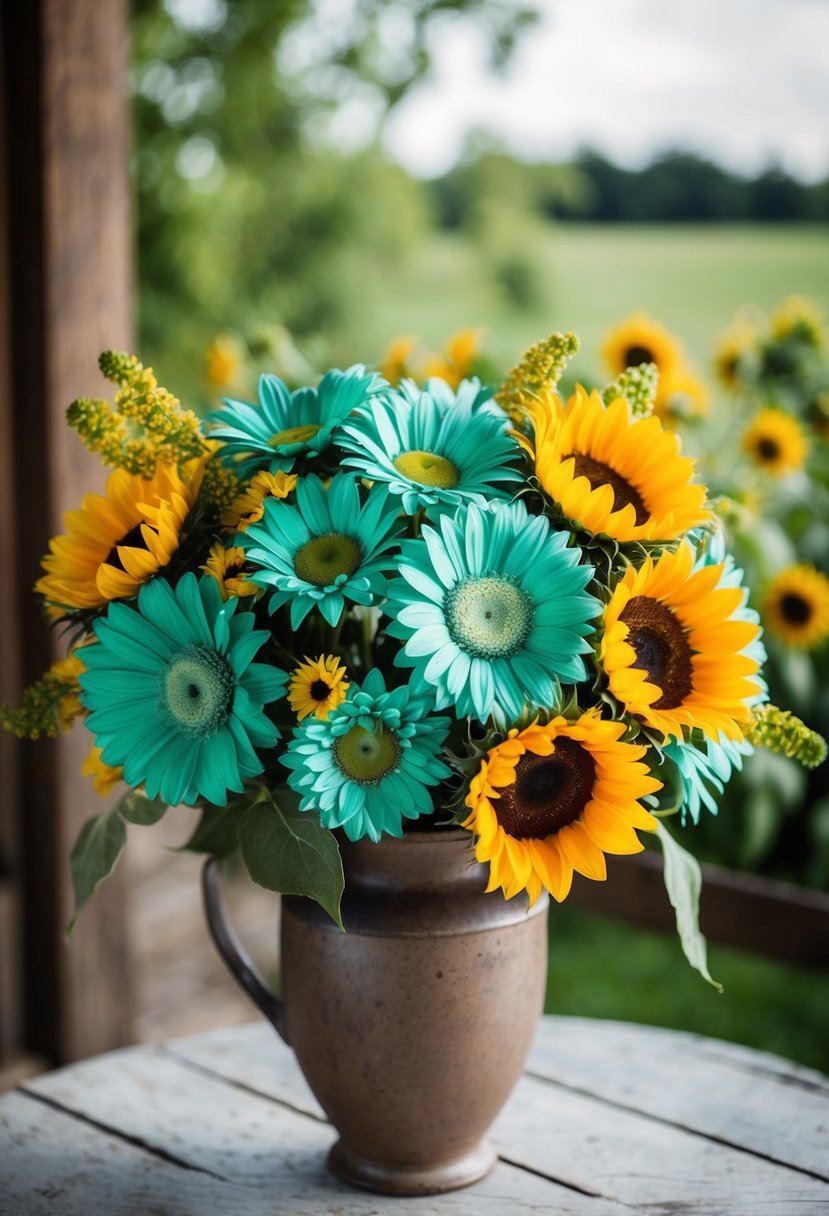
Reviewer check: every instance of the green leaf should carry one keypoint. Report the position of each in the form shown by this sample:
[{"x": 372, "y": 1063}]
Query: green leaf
[
  {"x": 94, "y": 856},
  {"x": 217, "y": 831},
  {"x": 135, "y": 808},
  {"x": 290, "y": 851},
  {"x": 683, "y": 882}
]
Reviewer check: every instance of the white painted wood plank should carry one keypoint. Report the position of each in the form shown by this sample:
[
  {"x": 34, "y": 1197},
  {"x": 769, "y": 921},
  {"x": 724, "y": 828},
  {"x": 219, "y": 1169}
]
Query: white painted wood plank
[
  {"x": 255, "y": 1145},
  {"x": 749, "y": 1099},
  {"x": 581, "y": 1140}
]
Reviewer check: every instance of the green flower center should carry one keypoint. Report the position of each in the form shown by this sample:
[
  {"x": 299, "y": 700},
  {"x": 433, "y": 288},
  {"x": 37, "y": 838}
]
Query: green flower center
[
  {"x": 324, "y": 559},
  {"x": 366, "y": 756},
  {"x": 197, "y": 690},
  {"x": 294, "y": 434},
  {"x": 428, "y": 469},
  {"x": 489, "y": 618}
]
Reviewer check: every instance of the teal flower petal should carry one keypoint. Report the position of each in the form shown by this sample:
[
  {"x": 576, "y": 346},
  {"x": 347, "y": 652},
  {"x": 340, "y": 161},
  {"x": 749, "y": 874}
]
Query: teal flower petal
[{"x": 180, "y": 706}]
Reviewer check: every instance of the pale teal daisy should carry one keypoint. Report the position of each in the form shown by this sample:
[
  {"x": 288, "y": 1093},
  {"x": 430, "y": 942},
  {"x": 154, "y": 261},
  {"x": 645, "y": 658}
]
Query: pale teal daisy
[
  {"x": 428, "y": 454},
  {"x": 705, "y": 767},
  {"x": 328, "y": 547},
  {"x": 470, "y": 395},
  {"x": 491, "y": 606},
  {"x": 284, "y": 424},
  {"x": 372, "y": 762},
  {"x": 174, "y": 695}
]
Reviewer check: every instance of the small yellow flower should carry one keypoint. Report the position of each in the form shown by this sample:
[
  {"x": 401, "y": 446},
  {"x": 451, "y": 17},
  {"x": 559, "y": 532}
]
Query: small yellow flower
[
  {"x": 66, "y": 671},
  {"x": 775, "y": 442},
  {"x": 796, "y": 607},
  {"x": 249, "y": 507},
  {"x": 317, "y": 686},
  {"x": 103, "y": 776},
  {"x": 733, "y": 347},
  {"x": 394, "y": 365},
  {"x": 230, "y": 570},
  {"x": 457, "y": 359},
  {"x": 222, "y": 361},
  {"x": 799, "y": 318}
]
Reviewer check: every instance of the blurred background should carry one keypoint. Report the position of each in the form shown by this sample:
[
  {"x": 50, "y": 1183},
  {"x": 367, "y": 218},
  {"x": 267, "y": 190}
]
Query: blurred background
[{"x": 432, "y": 185}]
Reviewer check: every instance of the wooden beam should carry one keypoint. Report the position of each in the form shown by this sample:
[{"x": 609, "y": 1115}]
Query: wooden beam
[
  {"x": 68, "y": 213},
  {"x": 766, "y": 917}
]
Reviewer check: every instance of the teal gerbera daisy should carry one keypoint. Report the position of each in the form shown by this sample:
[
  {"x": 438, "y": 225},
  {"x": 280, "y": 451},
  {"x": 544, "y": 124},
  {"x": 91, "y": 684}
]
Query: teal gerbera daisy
[
  {"x": 369, "y": 765},
  {"x": 493, "y": 611},
  {"x": 288, "y": 424},
  {"x": 705, "y": 767},
  {"x": 174, "y": 695},
  {"x": 470, "y": 394},
  {"x": 327, "y": 548},
  {"x": 430, "y": 454}
]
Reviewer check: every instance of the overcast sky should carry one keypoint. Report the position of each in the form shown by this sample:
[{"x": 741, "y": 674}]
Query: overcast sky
[{"x": 741, "y": 81}]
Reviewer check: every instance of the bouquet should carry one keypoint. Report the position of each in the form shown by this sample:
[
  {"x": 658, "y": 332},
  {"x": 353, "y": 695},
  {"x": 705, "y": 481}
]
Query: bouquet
[{"x": 345, "y": 610}]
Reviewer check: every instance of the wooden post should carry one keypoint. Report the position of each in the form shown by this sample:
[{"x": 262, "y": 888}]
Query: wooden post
[{"x": 67, "y": 220}]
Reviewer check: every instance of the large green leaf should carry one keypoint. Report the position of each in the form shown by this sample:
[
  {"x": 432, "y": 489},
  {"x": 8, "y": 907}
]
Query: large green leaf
[
  {"x": 135, "y": 808},
  {"x": 95, "y": 855},
  {"x": 291, "y": 852},
  {"x": 683, "y": 882},
  {"x": 217, "y": 831}
]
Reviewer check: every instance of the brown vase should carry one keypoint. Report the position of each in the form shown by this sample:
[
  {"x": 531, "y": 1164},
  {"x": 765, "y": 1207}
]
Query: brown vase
[{"x": 413, "y": 1026}]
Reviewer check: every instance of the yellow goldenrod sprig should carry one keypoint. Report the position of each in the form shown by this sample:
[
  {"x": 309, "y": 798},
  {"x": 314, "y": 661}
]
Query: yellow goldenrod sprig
[
  {"x": 221, "y": 486},
  {"x": 780, "y": 731},
  {"x": 50, "y": 703},
  {"x": 541, "y": 366},
  {"x": 142, "y": 399},
  {"x": 639, "y": 385}
]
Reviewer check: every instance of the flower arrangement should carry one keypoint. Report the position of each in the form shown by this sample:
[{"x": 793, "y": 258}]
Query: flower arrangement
[{"x": 349, "y": 608}]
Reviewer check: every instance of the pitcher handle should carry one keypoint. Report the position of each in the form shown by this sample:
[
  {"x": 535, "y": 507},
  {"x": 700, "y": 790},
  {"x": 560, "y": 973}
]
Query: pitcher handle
[{"x": 232, "y": 952}]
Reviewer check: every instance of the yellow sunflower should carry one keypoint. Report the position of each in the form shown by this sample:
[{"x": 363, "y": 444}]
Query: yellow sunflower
[
  {"x": 249, "y": 506},
  {"x": 223, "y": 360},
  {"x": 104, "y": 777},
  {"x": 796, "y": 607},
  {"x": 66, "y": 672},
  {"x": 611, "y": 474},
  {"x": 674, "y": 649},
  {"x": 394, "y": 365},
  {"x": 230, "y": 570},
  {"x": 683, "y": 395},
  {"x": 798, "y": 317},
  {"x": 733, "y": 347},
  {"x": 775, "y": 442},
  {"x": 117, "y": 540},
  {"x": 553, "y": 799},
  {"x": 456, "y": 361},
  {"x": 317, "y": 686}
]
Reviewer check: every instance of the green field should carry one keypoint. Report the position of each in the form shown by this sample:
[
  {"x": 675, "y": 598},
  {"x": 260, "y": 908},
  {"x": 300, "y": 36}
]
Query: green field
[{"x": 692, "y": 278}]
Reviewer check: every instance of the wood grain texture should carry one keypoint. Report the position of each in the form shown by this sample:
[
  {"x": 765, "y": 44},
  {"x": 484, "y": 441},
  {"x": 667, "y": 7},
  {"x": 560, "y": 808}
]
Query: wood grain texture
[{"x": 68, "y": 210}]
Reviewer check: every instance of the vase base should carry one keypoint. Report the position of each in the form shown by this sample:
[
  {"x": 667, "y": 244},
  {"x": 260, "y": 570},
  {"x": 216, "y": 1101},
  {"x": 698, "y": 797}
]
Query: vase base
[{"x": 389, "y": 1179}]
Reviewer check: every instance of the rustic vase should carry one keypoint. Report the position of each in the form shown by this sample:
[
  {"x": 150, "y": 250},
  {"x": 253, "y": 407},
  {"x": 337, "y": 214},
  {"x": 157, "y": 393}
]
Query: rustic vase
[{"x": 413, "y": 1026}]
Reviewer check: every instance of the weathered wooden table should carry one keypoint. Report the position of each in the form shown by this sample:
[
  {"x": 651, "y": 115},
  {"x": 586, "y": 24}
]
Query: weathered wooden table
[{"x": 608, "y": 1119}]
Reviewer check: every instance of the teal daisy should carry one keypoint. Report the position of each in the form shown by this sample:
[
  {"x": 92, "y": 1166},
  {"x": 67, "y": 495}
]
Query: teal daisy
[
  {"x": 370, "y": 764},
  {"x": 174, "y": 695},
  {"x": 493, "y": 611},
  {"x": 705, "y": 767},
  {"x": 328, "y": 547},
  {"x": 428, "y": 453},
  {"x": 285, "y": 424},
  {"x": 470, "y": 395}
]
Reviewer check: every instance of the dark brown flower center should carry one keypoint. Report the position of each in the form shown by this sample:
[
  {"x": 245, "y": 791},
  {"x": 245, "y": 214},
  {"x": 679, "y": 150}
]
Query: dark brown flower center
[
  {"x": 661, "y": 647},
  {"x": 635, "y": 356},
  {"x": 548, "y": 792},
  {"x": 319, "y": 690},
  {"x": 599, "y": 474},
  {"x": 767, "y": 448},
  {"x": 134, "y": 539},
  {"x": 796, "y": 609}
]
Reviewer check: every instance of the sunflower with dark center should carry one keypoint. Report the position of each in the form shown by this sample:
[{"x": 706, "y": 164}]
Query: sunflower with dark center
[
  {"x": 430, "y": 455},
  {"x": 371, "y": 761},
  {"x": 775, "y": 442},
  {"x": 610, "y": 474},
  {"x": 796, "y": 607},
  {"x": 678, "y": 650},
  {"x": 174, "y": 695},
  {"x": 556, "y": 798},
  {"x": 284, "y": 425},
  {"x": 231, "y": 570},
  {"x": 317, "y": 686},
  {"x": 118, "y": 540},
  {"x": 330, "y": 546}
]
